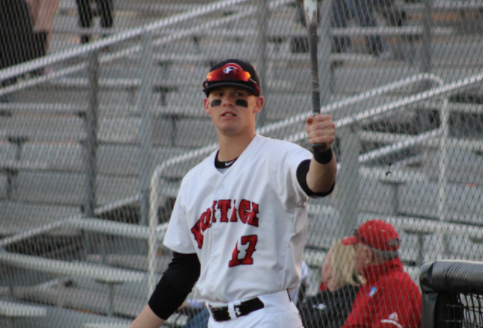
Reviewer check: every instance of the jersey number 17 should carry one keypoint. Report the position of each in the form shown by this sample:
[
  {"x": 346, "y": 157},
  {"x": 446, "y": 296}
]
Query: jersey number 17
[{"x": 251, "y": 240}]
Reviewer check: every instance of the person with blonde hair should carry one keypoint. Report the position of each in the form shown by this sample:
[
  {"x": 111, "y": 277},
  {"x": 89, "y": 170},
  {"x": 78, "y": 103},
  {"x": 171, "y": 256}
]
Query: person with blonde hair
[
  {"x": 339, "y": 267},
  {"x": 330, "y": 307}
]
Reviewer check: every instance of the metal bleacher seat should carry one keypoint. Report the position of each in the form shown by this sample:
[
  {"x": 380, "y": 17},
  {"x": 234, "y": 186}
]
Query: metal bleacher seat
[
  {"x": 190, "y": 100},
  {"x": 15, "y": 310},
  {"x": 102, "y": 274},
  {"x": 67, "y": 189},
  {"x": 280, "y": 106},
  {"x": 125, "y": 160},
  {"x": 457, "y": 54},
  {"x": 175, "y": 320},
  {"x": 105, "y": 325},
  {"x": 420, "y": 199},
  {"x": 59, "y": 157},
  {"x": 444, "y": 5},
  {"x": 17, "y": 217},
  {"x": 70, "y": 128},
  {"x": 195, "y": 133},
  {"x": 466, "y": 165}
]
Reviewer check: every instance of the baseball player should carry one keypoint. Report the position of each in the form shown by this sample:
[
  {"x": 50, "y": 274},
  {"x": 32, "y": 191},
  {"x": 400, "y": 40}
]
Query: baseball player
[{"x": 239, "y": 224}]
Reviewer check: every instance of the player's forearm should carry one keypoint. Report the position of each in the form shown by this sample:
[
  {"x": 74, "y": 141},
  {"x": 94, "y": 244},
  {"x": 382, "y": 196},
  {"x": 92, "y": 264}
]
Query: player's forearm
[
  {"x": 147, "y": 319},
  {"x": 321, "y": 177}
]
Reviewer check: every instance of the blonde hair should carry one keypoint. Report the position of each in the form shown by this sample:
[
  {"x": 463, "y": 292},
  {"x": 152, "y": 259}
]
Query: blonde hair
[{"x": 343, "y": 265}]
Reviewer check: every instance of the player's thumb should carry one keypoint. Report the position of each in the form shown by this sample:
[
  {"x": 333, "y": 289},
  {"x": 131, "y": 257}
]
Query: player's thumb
[{"x": 309, "y": 120}]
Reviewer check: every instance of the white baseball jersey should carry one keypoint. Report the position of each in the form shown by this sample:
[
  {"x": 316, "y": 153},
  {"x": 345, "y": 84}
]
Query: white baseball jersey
[{"x": 248, "y": 224}]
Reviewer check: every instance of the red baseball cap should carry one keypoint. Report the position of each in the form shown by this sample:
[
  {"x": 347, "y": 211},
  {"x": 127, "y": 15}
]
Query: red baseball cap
[{"x": 376, "y": 234}]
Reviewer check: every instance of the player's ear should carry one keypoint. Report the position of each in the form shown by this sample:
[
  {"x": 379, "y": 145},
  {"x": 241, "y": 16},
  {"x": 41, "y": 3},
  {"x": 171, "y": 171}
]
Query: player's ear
[
  {"x": 259, "y": 101},
  {"x": 207, "y": 106}
]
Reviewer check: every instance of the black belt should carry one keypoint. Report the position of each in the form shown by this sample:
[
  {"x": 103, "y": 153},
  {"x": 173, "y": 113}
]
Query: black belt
[{"x": 221, "y": 313}]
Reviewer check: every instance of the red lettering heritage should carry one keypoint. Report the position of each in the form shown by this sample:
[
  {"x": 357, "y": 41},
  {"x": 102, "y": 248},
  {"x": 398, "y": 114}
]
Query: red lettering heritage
[
  {"x": 233, "y": 213},
  {"x": 224, "y": 205},
  {"x": 196, "y": 231}
]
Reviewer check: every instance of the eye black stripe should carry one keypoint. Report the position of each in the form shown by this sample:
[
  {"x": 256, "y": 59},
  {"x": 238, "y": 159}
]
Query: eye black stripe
[
  {"x": 241, "y": 102},
  {"x": 216, "y": 102}
]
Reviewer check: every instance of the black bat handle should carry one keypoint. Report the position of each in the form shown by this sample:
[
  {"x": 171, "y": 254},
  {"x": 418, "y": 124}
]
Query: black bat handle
[{"x": 312, "y": 28}]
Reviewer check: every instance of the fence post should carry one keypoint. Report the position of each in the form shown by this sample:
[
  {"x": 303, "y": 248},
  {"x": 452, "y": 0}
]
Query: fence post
[
  {"x": 442, "y": 238},
  {"x": 146, "y": 125},
  {"x": 262, "y": 22},
  {"x": 427, "y": 39},
  {"x": 91, "y": 122},
  {"x": 348, "y": 181}
]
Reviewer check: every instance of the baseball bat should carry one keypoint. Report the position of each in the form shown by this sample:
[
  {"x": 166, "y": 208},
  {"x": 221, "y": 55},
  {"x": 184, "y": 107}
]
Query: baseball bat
[{"x": 310, "y": 8}]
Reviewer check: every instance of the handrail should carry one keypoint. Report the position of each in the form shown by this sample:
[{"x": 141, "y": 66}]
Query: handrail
[
  {"x": 154, "y": 196},
  {"x": 351, "y": 100},
  {"x": 397, "y": 146},
  {"x": 384, "y": 109},
  {"x": 111, "y": 40}
]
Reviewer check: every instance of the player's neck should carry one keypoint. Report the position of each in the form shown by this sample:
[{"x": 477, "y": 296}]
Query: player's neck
[{"x": 232, "y": 147}]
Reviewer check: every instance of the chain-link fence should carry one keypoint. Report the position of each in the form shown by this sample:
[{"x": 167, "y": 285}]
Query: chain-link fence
[{"x": 101, "y": 116}]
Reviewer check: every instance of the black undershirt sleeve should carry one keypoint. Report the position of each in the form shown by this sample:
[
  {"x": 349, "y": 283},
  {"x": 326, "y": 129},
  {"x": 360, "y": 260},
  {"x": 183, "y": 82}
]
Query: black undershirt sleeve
[
  {"x": 175, "y": 284},
  {"x": 302, "y": 171}
]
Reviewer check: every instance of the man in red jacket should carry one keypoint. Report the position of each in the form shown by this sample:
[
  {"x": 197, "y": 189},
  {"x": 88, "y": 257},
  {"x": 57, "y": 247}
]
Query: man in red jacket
[{"x": 389, "y": 298}]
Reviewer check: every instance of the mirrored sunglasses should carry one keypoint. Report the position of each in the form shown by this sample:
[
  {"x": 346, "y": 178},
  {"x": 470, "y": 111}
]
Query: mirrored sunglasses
[{"x": 229, "y": 73}]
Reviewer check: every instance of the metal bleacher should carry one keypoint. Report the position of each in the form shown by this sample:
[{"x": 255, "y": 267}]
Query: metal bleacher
[{"x": 43, "y": 136}]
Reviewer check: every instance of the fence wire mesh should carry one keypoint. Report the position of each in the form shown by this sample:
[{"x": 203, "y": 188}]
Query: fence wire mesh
[
  {"x": 463, "y": 311},
  {"x": 96, "y": 95}
]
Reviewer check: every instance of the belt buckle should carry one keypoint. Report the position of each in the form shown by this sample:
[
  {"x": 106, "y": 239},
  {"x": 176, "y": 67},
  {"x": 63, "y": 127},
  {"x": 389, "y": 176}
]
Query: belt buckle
[
  {"x": 220, "y": 313},
  {"x": 237, "y": 310}
]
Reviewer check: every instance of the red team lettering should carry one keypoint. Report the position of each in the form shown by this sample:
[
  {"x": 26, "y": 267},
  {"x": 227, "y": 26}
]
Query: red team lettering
[
  {"x": 224, "y": 205},
  {"x": 247, "y": 213}
]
